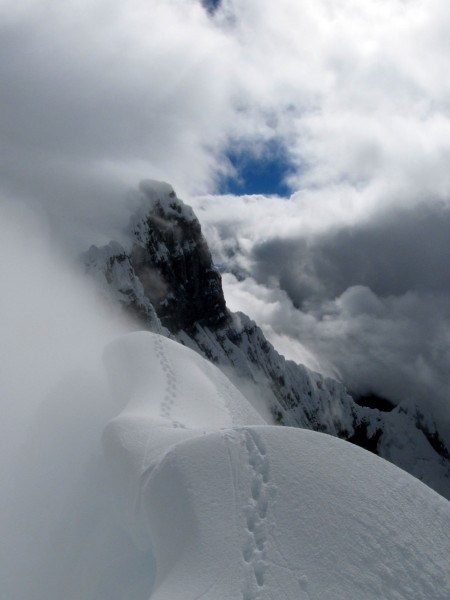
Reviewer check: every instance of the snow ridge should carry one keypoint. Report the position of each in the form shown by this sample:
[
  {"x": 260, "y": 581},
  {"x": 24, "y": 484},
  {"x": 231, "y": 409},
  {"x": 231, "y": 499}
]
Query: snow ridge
[{"x": 237, "y": 509}]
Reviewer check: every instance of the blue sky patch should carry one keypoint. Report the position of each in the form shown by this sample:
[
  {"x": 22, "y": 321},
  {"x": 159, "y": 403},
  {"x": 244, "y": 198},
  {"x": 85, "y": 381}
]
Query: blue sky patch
[{"x": 258, "y": 172}]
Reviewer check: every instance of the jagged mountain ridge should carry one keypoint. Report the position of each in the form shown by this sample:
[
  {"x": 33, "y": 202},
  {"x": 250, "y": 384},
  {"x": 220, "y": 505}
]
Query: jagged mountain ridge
[{"x": 165, "y": 278}]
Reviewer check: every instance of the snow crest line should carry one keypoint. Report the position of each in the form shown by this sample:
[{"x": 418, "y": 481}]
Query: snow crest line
[
  {"x": 254, "y": 551},
  {"x": 170, "y": 391}
]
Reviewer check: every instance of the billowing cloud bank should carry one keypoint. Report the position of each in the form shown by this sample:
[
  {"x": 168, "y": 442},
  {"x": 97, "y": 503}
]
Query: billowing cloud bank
[
  {"x": 368, "y": 302},
  {"x": 349, "y": 273},
  {"x": 98, "y": 95}
]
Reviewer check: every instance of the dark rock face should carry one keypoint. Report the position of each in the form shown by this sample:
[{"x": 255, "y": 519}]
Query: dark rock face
[
  {"x": 374, "y": 401},
  {"x": 175, "y": 267},
  {"x": 362, "y": 438}
]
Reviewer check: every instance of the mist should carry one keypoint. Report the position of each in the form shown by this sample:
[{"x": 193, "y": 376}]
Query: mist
[{"x": 59, "y": 537}]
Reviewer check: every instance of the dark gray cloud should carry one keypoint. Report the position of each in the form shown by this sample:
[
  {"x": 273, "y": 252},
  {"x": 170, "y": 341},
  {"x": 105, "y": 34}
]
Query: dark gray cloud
[
  {"x": 367, "y": 301},
  {"x": 402, "y": 250}
]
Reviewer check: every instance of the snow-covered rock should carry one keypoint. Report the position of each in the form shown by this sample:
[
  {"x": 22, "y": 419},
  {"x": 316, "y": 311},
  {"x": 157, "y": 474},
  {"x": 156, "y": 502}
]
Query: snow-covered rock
[
  {"x": 167, "y": 279},
  {"x": 115, "y": 274}
]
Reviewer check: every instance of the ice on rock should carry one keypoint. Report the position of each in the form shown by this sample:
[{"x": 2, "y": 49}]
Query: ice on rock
[{"x": 236, "y": 509}]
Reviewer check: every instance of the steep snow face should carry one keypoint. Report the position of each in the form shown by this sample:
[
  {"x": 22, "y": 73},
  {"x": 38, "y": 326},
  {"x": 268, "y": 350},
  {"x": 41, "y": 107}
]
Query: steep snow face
[
  {"x": 167, "y": 279},
  {"x": 236, "y": 509}
]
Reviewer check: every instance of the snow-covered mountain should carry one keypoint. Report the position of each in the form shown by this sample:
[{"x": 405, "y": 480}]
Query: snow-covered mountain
[{"x": 164, "y": 276}]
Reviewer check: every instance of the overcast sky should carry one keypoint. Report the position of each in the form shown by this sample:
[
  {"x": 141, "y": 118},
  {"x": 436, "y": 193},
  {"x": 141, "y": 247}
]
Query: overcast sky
[{"x": 340, "y": 106}]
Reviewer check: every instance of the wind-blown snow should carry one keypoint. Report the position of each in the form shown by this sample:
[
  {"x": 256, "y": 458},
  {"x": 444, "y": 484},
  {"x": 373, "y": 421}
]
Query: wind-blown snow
[{"x": 234, "y": 508}]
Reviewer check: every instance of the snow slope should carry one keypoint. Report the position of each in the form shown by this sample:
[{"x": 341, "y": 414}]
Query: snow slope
[{"x": 236, "y": 509}]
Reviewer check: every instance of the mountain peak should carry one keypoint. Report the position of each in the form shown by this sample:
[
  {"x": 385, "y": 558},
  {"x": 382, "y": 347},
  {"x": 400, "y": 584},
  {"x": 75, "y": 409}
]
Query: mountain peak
[
  {"x": 160, "y": 197},
  {"x": 168, "y": 264}
]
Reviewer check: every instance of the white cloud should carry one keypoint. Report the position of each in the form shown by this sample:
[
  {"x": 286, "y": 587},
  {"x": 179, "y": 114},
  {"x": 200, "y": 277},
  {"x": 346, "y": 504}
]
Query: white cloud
[{"x": 97, "y": 95}]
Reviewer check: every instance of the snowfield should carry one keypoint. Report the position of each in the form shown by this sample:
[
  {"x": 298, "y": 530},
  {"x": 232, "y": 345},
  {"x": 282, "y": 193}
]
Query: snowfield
[{"x": 234, "y": 509}]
